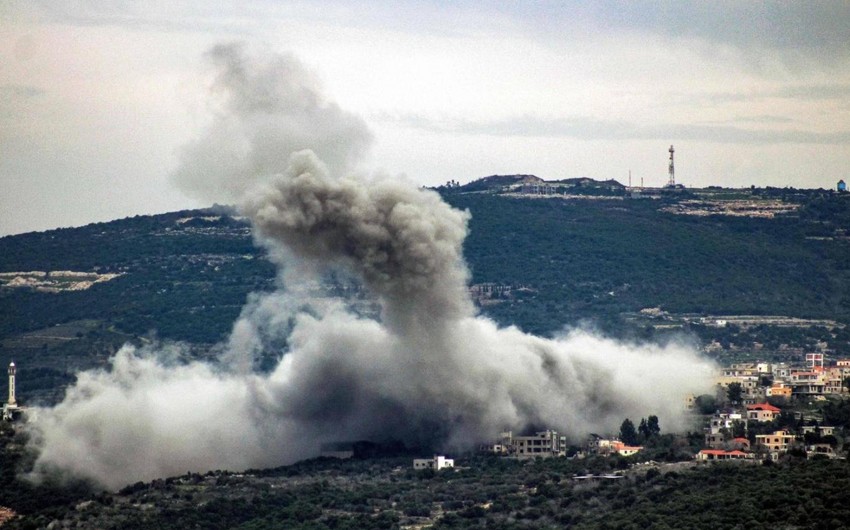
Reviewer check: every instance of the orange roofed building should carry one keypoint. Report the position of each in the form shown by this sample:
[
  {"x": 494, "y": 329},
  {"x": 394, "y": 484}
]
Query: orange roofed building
[
  {"x": 762, "y": 412},
  {"x": 720, "y": 454}
]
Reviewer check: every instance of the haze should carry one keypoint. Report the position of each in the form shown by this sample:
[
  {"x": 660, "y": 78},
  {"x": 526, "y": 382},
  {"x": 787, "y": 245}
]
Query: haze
[{"x": 97, "y": 99}]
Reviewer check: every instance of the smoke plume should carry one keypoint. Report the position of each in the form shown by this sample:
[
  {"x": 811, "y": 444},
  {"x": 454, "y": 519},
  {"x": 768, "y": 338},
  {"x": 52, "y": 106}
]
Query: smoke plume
[
  {"x": 427, "y": 370},
  {"x": 265, "y": 107}
]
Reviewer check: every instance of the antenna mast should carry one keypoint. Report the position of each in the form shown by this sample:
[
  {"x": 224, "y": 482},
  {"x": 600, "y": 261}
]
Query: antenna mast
[{"x": 672, "y": 181}]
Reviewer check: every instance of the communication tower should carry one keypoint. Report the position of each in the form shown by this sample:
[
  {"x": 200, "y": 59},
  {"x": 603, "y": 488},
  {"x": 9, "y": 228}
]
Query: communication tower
[{"x": 671, "y": 182}]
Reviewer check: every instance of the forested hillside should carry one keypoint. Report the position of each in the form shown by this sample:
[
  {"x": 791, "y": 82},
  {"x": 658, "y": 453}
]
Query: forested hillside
[{"x": 601, "y": 258}]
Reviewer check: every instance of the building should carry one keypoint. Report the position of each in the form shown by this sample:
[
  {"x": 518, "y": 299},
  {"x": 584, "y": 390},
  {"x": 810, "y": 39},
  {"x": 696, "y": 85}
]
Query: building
[
  {"x": 776, "y": 443},
  {"x": 740, "y": 443},
  {"x": 501, "y": 447},
  {"x": 821, "y": 430},
  {"x": 720, "y": 454},
  {"x": 762, "y": 412},
  {"x": 779, "y": 390},
  {"x": 808, "y": 382},
  {"x": 436, "y": 463},
  {"x": 628, "y": 450},
  {"x": 543, "y": 444},
  {"x": 842, "y": 186},
  {"x": 602, "y": 446},
  {"x": 820, "y": 449},
  {"x": 721, "y": 428}
]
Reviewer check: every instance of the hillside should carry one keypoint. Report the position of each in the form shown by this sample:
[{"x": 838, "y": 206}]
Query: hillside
[
  {"x": 484, "y": 493},
  {"x": 671, "y": 260}
]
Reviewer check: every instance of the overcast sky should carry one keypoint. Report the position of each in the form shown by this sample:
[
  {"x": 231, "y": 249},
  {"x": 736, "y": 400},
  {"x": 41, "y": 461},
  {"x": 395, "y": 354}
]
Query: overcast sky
[{"x": 97, "y": 98}]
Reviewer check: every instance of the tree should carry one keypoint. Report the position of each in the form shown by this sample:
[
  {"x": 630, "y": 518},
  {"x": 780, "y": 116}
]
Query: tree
[
  {"x": 739, "y": 429},
  {"x": 643, "y": 430},
  {"x": 652, "y": 426},
  {"x": 706, "y": 404},
  {"x": 734, "y": 393},
  {"x": 628, "y": 434},
  {"x": 649, "y": 427}
]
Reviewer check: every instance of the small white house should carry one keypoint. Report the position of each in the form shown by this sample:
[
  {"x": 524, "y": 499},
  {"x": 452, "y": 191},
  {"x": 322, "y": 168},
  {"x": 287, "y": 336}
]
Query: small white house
[{"x": 437, "y": 463}]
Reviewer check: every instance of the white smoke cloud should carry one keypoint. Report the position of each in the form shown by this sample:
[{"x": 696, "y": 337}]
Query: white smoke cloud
[
  {"x": 428, "y": 370},
  {"x": 266, "y": 106}
]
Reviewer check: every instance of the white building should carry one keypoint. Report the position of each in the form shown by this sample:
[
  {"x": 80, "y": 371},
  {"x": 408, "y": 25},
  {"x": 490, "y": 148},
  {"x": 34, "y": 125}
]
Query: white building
[
  {"x": 720, "y": 428},
  {"x": 437, "y": 463}
]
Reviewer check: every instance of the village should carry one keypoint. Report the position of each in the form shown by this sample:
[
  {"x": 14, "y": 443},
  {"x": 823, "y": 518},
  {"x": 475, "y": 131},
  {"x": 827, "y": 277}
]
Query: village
[{"x": 761, "y": 412}]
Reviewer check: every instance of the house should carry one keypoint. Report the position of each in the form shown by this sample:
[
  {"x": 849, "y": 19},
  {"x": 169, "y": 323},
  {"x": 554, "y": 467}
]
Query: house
[
  {"x": 762, "y": 412},
  {"x": 779, "y": 390},
  {"x": 740, "y": 443},
  {"x": 604, "y": 447},
  {"x": 776, "y": 443},
  {"x": 820, "y": 449},
  {"x": 436, "y": 463},
  {"x": 808, "y": 382},
  {"x": 720, "y": 454},
  {"x": 823, "y": 430},
  {"x": 720, "y": 428},
  {"x": 628, "y": 450}
]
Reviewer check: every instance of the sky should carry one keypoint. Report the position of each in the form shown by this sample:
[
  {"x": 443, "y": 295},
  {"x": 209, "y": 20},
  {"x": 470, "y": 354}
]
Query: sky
[{"x": 97, "y": 99}]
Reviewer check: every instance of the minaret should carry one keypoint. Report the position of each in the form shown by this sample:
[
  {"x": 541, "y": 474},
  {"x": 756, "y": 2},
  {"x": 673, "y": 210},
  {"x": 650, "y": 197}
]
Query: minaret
[{"x": 12, "y": 402}]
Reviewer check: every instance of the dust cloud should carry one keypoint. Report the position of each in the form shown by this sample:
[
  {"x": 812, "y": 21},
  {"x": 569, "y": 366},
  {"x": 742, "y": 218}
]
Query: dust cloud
[{"x": 426, "y": 369}]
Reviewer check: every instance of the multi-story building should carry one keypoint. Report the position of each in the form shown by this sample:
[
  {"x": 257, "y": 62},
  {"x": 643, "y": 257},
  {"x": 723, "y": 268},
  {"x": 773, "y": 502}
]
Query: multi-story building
[
  {"x": 543, "y": 443},
  {"x": 777, "y": 443},
  {"x": 762, "y": 412},
  {"x": 720, "y": 428},
  {"x": 808, "y": 382}
]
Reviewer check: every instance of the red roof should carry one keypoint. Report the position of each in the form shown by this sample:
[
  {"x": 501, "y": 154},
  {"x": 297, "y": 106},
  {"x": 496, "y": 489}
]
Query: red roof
[
  {"x": 719, "y": 452},
  {"x": 763, "y": 406},
  {"x": 742, "y": 440}
]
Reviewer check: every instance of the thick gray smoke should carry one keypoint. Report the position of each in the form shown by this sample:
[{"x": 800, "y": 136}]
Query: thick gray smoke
[
  {"x": 265, "y": 107},
  {"x": 428, "y": 370}
]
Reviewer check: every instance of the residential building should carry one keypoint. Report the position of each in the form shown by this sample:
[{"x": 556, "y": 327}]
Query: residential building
[
  {"x": 603, "y": 446},
  {"x": 808, "y": 382},
  {"x": 543, "y": 444},
  {"x": 720, "y": 454},
  {"x": 780, "y": 390},
  {"x": 628, "y": 450},
  {"x": 776, "y": 443},
  {"x": 436, "y": 463},
  {"x": 720, "y": 428},
  {"x": 823, "y": 430},
  {"x": 820, "y": 449},
  {"x": 762, "y": 412}
]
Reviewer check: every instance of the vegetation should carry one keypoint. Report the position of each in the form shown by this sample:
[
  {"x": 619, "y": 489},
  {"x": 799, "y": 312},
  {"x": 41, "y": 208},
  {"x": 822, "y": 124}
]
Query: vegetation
[{"x": 487, "y": 492}]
